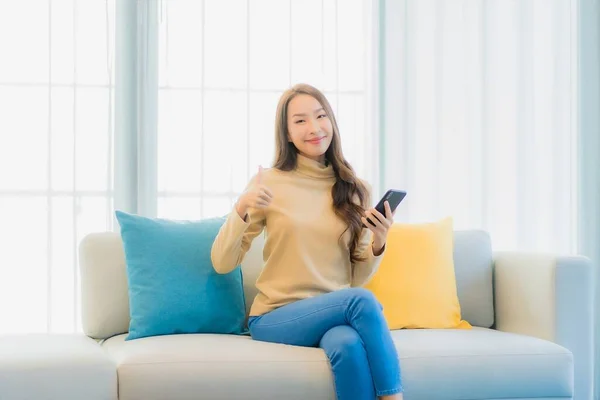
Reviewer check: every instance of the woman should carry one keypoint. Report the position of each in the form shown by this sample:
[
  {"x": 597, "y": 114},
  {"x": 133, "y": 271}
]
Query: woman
[{"x": 317, "y": 253}]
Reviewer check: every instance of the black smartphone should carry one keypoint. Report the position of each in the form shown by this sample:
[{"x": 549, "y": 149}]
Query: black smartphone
[{"x": 392, "y": 196}]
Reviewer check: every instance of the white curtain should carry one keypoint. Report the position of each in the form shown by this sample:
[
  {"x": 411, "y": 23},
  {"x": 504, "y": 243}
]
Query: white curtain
[
  {"x": 480, "y": 117},
  {"x": 56, "y": 135},
  {"x": 476, "y": 102},
  {"x": 223, "y": 66},
  {"x": 192, "y": 119}
]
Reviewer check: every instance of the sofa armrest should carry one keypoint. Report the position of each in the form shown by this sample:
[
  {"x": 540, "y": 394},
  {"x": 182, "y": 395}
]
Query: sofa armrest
[{"x": 550, "y": 297}]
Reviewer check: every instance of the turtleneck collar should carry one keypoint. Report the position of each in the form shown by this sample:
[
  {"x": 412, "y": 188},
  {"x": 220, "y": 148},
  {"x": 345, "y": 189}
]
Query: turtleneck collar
[{"x": 309, "y": 167}]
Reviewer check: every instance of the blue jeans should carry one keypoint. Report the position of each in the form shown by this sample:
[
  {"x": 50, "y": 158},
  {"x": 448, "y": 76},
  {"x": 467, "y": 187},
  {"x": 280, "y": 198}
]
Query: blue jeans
[{"x": 349, "y": 325}]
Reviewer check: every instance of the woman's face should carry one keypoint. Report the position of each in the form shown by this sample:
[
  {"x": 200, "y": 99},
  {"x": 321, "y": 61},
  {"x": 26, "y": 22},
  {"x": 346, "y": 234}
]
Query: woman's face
[{"x": 309, "y": 127}]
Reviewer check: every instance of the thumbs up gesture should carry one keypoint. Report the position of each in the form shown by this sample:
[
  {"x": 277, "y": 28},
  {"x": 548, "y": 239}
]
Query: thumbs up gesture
[{"x": 256, "y": 195}]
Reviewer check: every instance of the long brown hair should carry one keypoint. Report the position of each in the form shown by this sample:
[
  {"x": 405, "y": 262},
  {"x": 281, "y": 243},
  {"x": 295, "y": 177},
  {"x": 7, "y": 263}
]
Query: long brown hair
[{"x": 347, "y": 188}]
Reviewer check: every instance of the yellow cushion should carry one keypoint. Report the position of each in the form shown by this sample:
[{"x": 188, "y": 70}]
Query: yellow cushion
[{"x": 415, "y": 282}]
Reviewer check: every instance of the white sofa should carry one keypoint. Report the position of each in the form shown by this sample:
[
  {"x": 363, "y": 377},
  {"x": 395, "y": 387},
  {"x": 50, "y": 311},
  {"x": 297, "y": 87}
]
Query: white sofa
[{"x": 532, "y": 339}]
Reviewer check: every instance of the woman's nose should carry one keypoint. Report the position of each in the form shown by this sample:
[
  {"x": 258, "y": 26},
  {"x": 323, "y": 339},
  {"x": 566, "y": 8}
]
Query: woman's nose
[{"x": 314, "y": 125}]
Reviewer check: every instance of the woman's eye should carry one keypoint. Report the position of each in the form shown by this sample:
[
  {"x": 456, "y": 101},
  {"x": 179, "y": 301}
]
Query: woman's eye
[
  {"x": 300, "y": 120},
  {"x": 322, "y": 115}
]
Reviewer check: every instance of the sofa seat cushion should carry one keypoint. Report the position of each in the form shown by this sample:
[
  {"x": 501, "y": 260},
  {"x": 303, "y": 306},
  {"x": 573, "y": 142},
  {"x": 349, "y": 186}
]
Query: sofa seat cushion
[
  {"x": 57, "y": 367},
  {"x": 436, "y": 364},
  {"x": 213, "y": 366},
  {"x": 482, "y": 364}
]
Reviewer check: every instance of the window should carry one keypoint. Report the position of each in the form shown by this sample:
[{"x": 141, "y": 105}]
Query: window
[
  {"x": 209, "y": 96},
  {"x": 220, "y": 80},
  {"x": 56, "y": 142}
]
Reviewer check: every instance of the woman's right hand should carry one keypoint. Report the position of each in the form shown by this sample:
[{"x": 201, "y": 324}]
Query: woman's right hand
[{"x": 257, "y": 195}]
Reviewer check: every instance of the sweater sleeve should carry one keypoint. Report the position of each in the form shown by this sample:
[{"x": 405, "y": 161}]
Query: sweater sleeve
[
  {"x": 363, "y": 271},
  {"x": 234, "y": 239}
]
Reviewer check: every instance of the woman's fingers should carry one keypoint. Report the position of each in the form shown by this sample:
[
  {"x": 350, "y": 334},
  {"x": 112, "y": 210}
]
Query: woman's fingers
[
  {"x": 266, "y": 190},
  {"x": 366, "y": 223},
  {"x": 372, "y": 222},
  {"x": 265, "y": 197},
  {"x": 261, "y": 203},
  {"x": 382, "y": 219},
  {"x": 388, "y": 212},
  {"x": 259, "y": 176}
]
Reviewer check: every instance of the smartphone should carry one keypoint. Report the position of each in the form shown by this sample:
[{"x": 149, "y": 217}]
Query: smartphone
[{"x": 392, "y": 196}]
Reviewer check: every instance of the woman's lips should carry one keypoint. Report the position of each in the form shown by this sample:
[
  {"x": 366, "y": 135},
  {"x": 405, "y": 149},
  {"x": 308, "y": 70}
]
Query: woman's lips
[{"x": 316, "y": 141}]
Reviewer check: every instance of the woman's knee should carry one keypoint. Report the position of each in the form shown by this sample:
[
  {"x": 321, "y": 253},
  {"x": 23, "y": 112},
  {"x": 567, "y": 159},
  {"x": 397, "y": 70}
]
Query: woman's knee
[
  {"x": 342, "y": 342},
  {"x": 365, "y": 298}
]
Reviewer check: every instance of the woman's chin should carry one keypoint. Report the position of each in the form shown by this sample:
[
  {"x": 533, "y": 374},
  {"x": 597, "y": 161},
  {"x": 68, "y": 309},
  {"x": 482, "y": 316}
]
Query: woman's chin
[{"x": 315, "y": 155}]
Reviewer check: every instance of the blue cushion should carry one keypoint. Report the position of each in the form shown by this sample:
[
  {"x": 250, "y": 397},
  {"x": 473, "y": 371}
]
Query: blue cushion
[{"x": 173, "y": 287}]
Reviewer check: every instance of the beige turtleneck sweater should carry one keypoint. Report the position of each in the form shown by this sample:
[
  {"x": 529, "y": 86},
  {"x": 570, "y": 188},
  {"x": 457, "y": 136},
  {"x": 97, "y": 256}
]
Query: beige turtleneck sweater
[{"x": 302, "y": 255}]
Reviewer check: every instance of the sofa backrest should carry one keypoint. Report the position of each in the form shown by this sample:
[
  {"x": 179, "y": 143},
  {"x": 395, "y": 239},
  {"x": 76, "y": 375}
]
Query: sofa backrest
[{"x": 105, "y": 299}]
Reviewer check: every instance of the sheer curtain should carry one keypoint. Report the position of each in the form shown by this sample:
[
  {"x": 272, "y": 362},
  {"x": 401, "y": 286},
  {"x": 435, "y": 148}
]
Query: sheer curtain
[
  {"x": 56, "y": 141},
  {"x": 188, "y": 122},
  {"x": 477, "y": 113},
  {"x": 222, "y": 66},
  {"x": 480, "y": 117}
]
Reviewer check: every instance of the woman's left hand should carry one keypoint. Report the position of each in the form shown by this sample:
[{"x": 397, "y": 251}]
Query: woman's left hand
[{"x": 380, "y": 227}]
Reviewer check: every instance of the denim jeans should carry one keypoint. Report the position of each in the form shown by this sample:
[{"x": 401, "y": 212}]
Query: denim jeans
[{"x": 349, "y": 325}]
